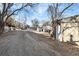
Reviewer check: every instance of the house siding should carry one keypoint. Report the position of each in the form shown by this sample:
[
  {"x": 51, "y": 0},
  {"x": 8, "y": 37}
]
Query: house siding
[{"x": 72, "y": 29}]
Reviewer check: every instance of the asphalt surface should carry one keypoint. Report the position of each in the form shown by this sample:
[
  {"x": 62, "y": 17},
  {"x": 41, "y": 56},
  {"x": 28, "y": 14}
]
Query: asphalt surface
[{"x": 25, "y": 43}]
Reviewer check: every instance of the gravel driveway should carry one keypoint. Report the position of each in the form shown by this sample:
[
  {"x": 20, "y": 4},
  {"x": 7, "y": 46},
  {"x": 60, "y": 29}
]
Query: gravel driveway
[{"x": 25, "y": 43}]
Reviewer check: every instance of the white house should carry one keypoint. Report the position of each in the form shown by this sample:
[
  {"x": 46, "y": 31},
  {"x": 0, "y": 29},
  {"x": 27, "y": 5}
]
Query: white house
[
  {"x": 69, "y": 28},
  {"x": 46, "y": 28}
]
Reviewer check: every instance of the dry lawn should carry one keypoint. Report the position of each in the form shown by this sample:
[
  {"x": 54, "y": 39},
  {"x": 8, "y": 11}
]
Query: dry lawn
[{"x": 66, "y": 49}]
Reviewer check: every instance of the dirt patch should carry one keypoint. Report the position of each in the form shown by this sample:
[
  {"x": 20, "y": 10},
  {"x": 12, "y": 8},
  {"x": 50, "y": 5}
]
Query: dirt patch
[
  {"x": 66, "y": 49},
  {"x": 7, "y": 34}
]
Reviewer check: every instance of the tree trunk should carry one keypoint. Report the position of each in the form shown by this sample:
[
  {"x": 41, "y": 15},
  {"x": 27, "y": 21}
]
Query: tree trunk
[
  {"x": 56, "y": 34},
  {"x": 1, "y": 28},
  {"x": 54, "y": 29},
  {"x": 1, "y": 25}
]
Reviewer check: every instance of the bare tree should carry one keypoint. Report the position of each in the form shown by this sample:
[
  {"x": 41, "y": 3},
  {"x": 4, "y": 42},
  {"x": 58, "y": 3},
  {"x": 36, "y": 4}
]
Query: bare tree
[
  {"x": 35, "y": 23},
  {"x": 6, "y": 11},
  {"x": 56, "y": 12}
]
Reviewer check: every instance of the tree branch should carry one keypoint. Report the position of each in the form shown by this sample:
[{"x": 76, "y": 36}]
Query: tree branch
[
  {"x": 16, "y": 10},
  {"x": 66, "y": 8}
]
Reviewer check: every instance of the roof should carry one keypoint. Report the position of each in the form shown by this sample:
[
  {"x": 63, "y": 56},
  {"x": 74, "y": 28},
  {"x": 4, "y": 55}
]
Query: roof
[{"x": 71, "y": 19}]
